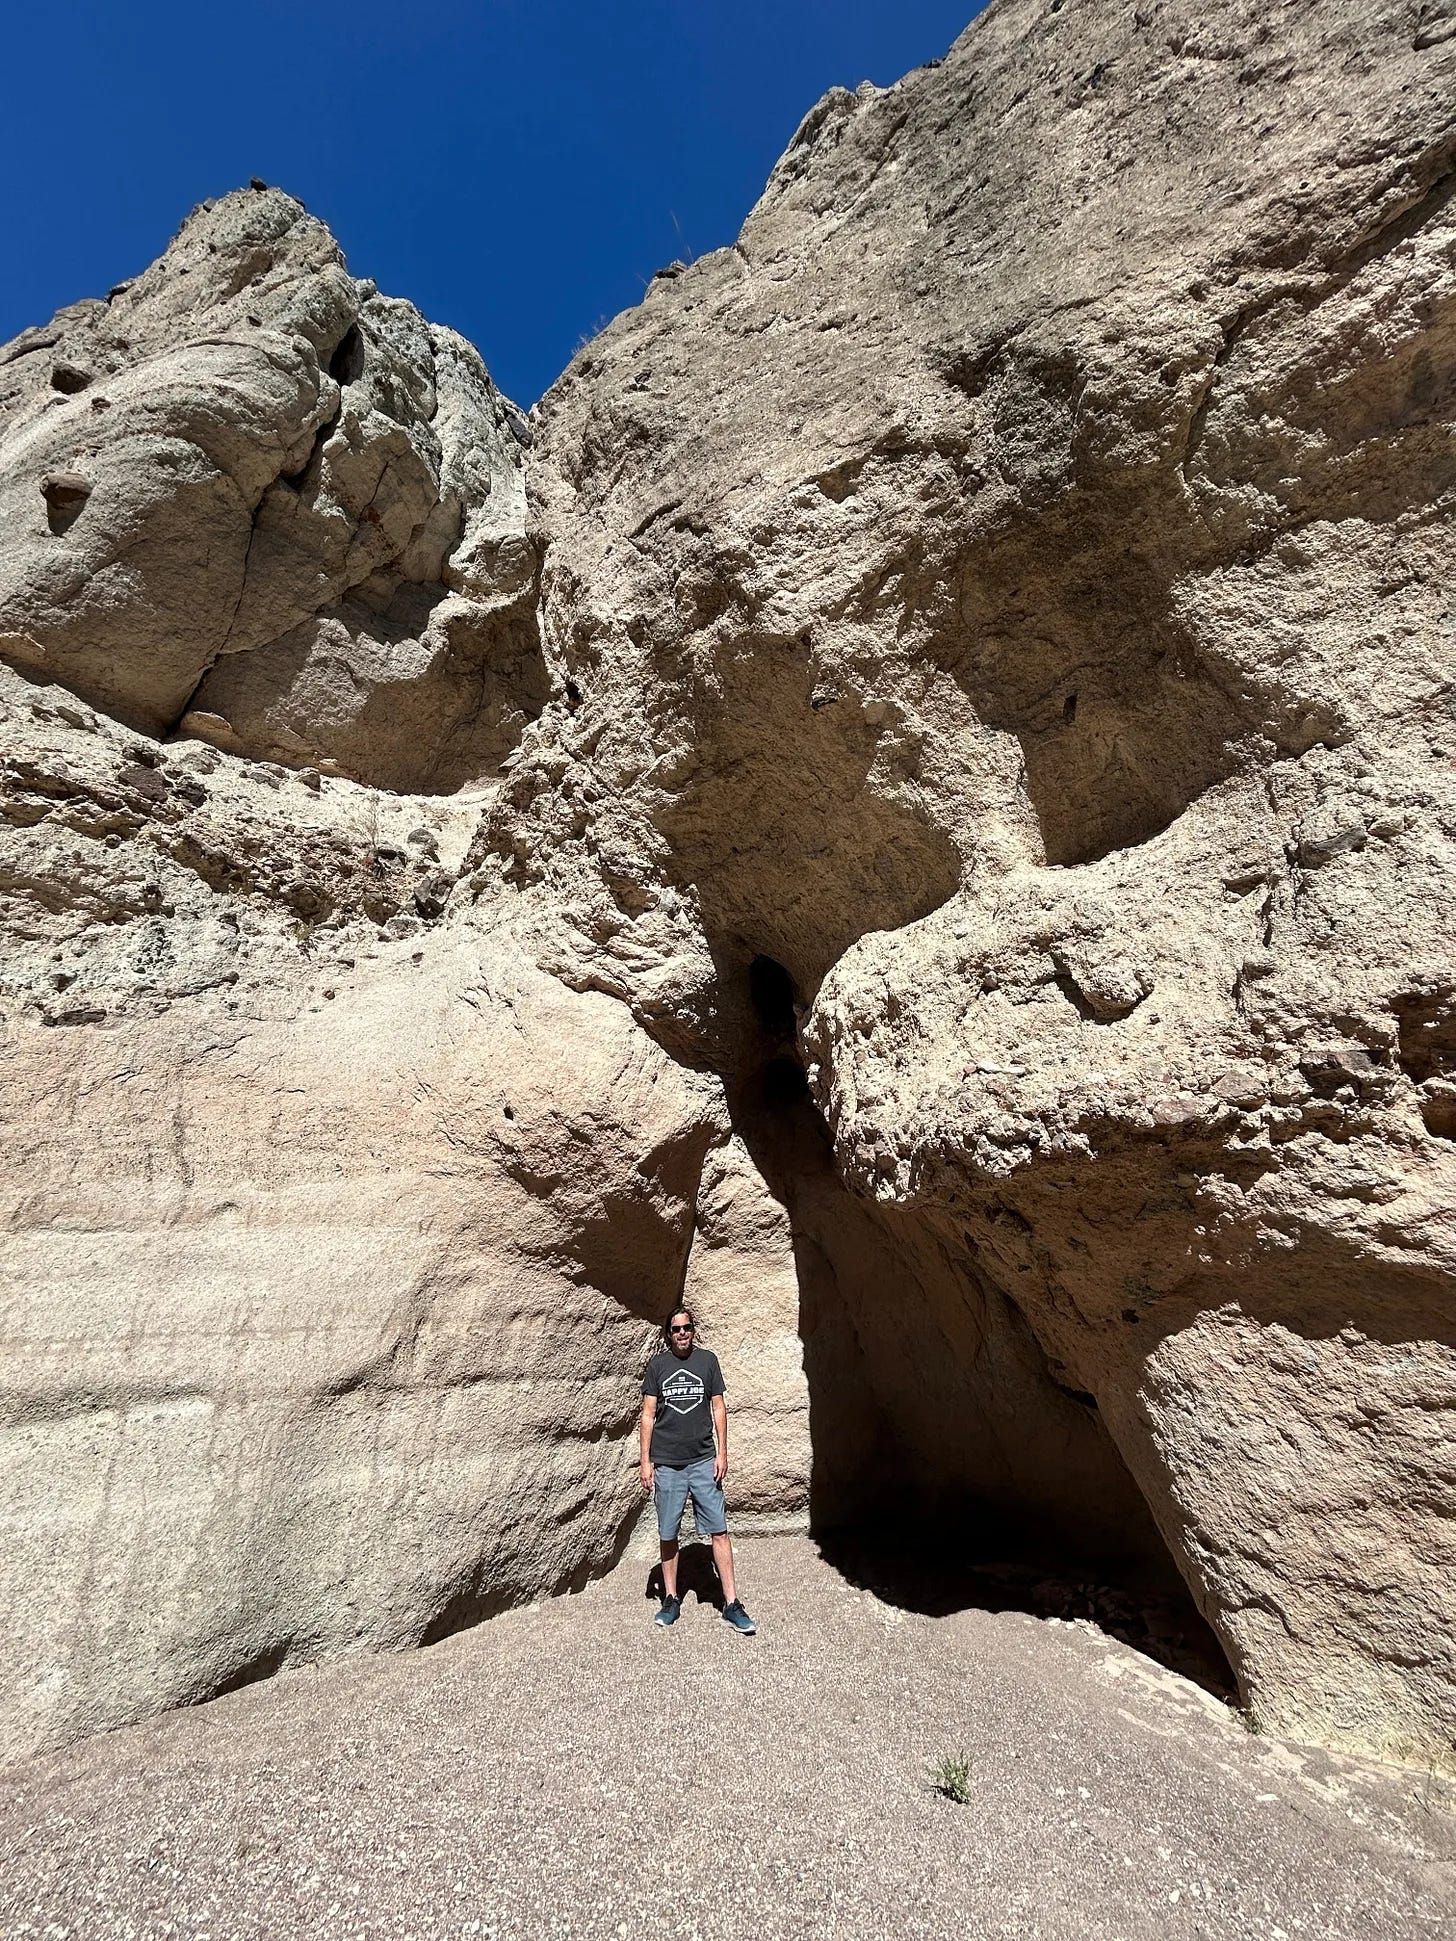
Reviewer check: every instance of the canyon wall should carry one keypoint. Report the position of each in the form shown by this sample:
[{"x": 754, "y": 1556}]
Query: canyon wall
[{"x": 912, "y": 799}]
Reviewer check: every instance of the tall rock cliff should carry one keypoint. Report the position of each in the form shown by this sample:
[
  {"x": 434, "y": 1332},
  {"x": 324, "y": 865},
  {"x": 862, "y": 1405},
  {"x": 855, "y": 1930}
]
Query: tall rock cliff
[{"x": 916, "y": 799}]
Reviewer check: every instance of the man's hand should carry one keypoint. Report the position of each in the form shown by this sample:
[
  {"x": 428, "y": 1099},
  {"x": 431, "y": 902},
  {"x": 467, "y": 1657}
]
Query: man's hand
[
  {"x": 720, "y": 1467},
  {"x": 648, "y": 1477}
]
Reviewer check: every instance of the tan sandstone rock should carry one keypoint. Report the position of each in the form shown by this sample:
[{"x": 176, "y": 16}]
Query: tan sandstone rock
[
  {"x": 937, "y": 820},
  {"x": 247, "y": 488},
  {"x": 743, "y": 1287},
  {"x": 322, "y": 1300},
  {"x": 1006, "y": 589}
]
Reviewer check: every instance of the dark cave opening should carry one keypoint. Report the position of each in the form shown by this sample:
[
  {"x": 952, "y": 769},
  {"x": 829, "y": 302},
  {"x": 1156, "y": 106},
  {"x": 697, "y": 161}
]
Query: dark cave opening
[
  {"x": 950, "y": 1468},
  {"x": 775, "y": 1002},
  {"x": 939, "y": 1567},
  {"x": 774, "y": 999},
  {"x": 346, "y": 366}
]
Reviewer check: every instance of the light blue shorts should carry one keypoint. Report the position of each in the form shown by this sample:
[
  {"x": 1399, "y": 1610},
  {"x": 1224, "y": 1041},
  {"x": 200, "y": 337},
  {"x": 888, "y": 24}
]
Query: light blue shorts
[{"x": 671, "y": 1491}]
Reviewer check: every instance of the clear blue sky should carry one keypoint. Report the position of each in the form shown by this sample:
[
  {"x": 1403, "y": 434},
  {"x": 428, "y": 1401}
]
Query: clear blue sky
[{"x": 518, "y": 168}]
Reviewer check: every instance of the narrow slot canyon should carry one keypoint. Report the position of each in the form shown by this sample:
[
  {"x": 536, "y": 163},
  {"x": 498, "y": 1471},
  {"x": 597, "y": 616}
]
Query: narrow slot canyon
[{"x": 949, "y": 1467}]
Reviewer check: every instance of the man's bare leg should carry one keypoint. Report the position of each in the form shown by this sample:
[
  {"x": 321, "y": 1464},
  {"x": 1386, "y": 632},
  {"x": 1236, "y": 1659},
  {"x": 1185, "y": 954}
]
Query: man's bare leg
[
  {"x": 722, "y": 1563},
  {"x": 669, "y": 1565}
]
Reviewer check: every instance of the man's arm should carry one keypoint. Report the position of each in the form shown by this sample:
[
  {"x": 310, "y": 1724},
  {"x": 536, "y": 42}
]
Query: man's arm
[
  {"x": 649, "y": 1416},
  {"x": 720, "y": 1436}
]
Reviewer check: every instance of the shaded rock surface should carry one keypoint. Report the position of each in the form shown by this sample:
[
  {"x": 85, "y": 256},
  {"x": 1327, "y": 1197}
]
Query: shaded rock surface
[{"x": 919, "y": 809}]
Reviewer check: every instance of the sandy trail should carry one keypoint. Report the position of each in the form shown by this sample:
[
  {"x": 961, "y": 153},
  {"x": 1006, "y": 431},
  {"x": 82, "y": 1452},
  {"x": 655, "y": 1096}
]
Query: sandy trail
[{"x": 569, "y": 1771}]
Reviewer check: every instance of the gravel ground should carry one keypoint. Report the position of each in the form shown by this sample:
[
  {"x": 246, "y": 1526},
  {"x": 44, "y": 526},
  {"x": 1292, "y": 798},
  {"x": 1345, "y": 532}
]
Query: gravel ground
[{"x": 568, "y": 1770}]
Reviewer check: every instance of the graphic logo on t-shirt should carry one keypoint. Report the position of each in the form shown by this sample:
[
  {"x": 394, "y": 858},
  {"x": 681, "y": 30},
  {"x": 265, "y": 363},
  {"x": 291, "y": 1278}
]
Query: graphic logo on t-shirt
[{"x": 683, "y": 1391}]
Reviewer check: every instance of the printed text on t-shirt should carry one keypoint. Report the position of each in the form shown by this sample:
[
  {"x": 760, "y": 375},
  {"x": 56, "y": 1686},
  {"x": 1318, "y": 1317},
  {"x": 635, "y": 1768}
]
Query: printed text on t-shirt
[{"x": 683, "y": 1391}]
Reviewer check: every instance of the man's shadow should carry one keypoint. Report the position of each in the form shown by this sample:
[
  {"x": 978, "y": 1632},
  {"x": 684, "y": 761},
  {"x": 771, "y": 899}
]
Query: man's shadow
[{"x": 696, "y": 1577}]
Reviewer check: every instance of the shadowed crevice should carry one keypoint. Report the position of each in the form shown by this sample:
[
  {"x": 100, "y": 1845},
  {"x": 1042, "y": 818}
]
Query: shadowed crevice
[{"x": 952, "y": 1465}]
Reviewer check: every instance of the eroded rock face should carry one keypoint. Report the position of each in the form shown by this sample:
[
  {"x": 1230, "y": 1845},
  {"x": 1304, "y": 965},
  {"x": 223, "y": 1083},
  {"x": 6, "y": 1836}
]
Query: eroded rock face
[
  {"x": 249, "y": 493},
  {"x": 286, "y": 1374},
  {"x": 932, "y": 833},
  {"x": 1007, "y": 588},
  {"x": 332, "y": 1249}
]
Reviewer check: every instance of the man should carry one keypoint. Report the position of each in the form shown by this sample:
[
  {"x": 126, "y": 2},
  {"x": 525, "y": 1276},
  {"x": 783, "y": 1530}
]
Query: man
[{"x": 684, "y": 1445}]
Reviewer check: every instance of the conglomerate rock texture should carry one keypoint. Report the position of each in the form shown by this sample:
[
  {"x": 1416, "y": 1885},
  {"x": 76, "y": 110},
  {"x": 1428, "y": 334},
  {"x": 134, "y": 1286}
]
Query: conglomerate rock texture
[{"x": 914, "y": 800}]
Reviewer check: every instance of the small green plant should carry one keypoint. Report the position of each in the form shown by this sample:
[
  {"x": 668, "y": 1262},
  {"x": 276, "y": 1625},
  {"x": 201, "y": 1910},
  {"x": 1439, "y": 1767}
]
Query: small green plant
[{"x": 951, "y": 1777}]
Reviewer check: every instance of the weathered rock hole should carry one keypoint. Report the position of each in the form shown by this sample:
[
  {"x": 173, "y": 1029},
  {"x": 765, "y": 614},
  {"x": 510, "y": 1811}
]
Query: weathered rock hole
[
  {"x": 1439, "y": 1115},
  {"x": 346, "y": 366},
  {"x": 1426, "y": 1022},
  {"x": 1072, "y": 991},
  {"x": 1115, "y": 762},
  {"x": 1067, "y": 634},
  {"x": 824, "y": 846},
  {"x": 411, "y": 734}
]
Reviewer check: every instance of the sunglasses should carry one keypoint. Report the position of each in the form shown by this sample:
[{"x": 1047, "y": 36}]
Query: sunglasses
[{"x": 684, "y": 1330}]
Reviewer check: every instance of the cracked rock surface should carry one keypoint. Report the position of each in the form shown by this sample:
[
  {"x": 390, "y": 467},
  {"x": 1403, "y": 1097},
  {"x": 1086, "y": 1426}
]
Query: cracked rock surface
[{"x": 913, "y": 800}]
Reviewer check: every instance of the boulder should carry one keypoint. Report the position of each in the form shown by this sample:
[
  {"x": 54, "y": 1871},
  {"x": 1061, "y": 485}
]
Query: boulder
[{"x": 245, "y": 482}]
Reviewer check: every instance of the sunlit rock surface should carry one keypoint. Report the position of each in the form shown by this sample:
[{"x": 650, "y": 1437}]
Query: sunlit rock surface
[{"x": 918, "y": 806}]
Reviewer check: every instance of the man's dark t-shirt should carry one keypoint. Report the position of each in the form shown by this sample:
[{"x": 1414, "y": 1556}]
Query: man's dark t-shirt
[{"x": 683, "y": 1386}]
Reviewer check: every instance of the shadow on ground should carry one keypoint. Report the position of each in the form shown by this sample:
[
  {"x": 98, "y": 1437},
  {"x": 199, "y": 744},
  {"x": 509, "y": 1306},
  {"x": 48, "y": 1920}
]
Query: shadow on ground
[
  {"x": 915, "y": 1571},
  {"x": 696, "y": 1577}
]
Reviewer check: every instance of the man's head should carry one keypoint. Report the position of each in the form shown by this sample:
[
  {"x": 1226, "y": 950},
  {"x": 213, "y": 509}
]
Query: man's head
[{"x": 680, "y": 1330}]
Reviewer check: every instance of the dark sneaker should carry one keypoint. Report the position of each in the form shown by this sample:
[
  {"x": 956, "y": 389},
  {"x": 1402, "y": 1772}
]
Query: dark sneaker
[
  {"x": 742, "y": 1623},
  {"x": 669, "y": 1612}
]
